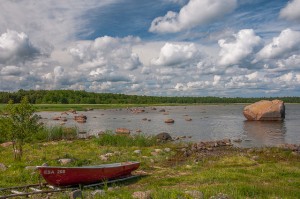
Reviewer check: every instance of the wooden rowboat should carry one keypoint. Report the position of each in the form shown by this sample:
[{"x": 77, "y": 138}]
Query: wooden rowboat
[{"x": 71, "y": 176}]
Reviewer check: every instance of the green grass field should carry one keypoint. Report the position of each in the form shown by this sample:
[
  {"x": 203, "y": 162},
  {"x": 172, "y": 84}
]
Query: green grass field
[{"x": 273, "y": 173}]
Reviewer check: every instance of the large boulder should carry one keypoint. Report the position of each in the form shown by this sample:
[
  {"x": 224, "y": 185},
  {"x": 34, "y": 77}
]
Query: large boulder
[{"x": 265, "y": 110}]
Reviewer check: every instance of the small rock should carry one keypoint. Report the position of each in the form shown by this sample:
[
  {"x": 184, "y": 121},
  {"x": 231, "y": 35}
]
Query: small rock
[
  {"x": 220, "y": 196},
  {"x": 2, "y": 167},
  {"x": 255, "y": 158},
  {"x": 167, "y": 150},
  {"x": 109, "y": 154},
  {"x": 153, "y": 153},
  {"x": 6, "y": 144},
  {"x": 138, "y": 152},
  {"x": 237, "y": 140},
  {"x": 188, "y": 119},
  {"x": 122, "y": 131},
  {"x": 142, "y": 195},
  {"x": 158, "y": 150},
  {"x": 169, "y": 121},
  {"x": 188, "y": 166},
  {"x": 103, "y": 158},
  {"x": 65, "y": 161},
  {"x": 117, "y": 153},
  {"x": 76, "y": 194},
  {"x": 195, "y": 194},
  {"x": 163, "y": 136},
  {"x": 98, "y": 192},
  {"x": 30, "y": 168},
  {"x": 113, "y": 188}
]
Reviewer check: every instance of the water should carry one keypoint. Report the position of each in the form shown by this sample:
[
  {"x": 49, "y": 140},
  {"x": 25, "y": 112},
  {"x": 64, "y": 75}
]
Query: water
[{"x": 209, "y": 122}]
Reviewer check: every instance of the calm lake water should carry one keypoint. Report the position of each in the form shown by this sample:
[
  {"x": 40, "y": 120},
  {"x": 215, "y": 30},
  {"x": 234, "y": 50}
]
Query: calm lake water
[{"x": 209, "y": 122}]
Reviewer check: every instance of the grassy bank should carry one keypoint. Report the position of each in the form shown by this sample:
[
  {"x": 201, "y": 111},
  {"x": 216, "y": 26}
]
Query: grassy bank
[{"x": 237, "y": 173}]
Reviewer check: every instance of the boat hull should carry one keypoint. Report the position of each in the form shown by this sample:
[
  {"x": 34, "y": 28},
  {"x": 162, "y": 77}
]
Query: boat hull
[{"x": 71, "y": 176}]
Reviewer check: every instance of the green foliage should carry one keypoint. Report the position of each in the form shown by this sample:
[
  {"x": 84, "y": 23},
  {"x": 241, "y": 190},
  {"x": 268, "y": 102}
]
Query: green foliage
[
  {"x": 83, "y": 97},
  {"x": 140, "y": 140},
  {"x": 19, "y": 123},
  {"x": 54, "y": 133}
]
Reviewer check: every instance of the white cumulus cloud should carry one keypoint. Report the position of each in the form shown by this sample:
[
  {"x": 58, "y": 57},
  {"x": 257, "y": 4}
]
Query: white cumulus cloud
[
  {"x": 286, "y": 43},
  {"x": 15, "y": 47},
  {"x": 235, "y": 51},
  {"x": 176, "y": 54},
  {"x": 196, "y": 12},
  {"x": 291, "y": 11}
]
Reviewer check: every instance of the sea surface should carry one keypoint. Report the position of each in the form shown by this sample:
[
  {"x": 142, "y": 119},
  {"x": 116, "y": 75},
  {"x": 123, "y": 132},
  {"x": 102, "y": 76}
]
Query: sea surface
[{"x": 208, "y": 122}]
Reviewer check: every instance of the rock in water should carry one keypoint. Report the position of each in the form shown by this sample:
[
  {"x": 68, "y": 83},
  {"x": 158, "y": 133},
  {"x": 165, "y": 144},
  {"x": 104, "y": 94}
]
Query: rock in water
[{"x": 265, "y": 110}]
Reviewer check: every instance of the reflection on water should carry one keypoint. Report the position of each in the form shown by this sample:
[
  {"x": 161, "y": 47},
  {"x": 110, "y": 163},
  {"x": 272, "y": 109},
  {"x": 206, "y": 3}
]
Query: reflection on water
[
  {"x": 264, "y": 132},
  {"x": 209, "y": 122}
]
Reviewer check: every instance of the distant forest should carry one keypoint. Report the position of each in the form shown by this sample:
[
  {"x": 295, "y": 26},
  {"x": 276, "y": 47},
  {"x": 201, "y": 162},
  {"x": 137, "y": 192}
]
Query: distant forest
[{"x": 83, "y": 97}]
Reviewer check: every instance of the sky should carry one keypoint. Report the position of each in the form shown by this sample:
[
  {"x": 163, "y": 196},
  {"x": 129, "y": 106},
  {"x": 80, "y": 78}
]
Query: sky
[{"x": 224, "y": 48}]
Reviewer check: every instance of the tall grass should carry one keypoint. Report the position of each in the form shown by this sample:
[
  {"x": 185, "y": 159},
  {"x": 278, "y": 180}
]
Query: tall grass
[
  {"x": 54, "y": 133},
  {"x": 139, "y": 140}
]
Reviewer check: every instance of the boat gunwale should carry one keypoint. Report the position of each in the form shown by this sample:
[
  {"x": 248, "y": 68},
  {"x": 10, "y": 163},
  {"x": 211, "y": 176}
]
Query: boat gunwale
[{"x": 113, "y": 165}]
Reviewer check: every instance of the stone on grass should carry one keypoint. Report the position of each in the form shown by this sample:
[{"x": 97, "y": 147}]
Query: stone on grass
[
  {"x": 98, "y": 192},
  {"x": 158, "y": 150},
  {"x": 103, "y": 158},
  {"x": 138, "y": 152},
  {"x": 6, "y": 144},
  {"x": 76, "y": 194},
  {"x": 2, "y": 167},
  {"x": 195, "y": 194},
  {"x": 142, "y": 195},
  {"x": 167, "y": 150},
  {"x": 163, "y": 136},
  {"x": 32, "y": 168},
  {"x": 65, "y": 161}
]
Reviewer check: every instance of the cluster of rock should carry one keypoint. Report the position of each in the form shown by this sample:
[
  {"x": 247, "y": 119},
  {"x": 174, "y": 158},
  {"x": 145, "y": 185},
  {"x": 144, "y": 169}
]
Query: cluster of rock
[
  {"x": 209, "y": 145},
  {"x": 137, "y": 110},
  {"x": 80, "y": 118},
  {"x": 187, "y": 194},
  {"x": 265, "y": 110},
  {"x": 292, "y": 147}
]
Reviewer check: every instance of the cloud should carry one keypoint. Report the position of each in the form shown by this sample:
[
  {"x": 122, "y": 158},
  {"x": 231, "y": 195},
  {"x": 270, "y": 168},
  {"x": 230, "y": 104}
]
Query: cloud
[
  {"x": 15, "y": 47},
  {"x": 49, "y": 23},
  {"x": 287, "y": 43},
  {"x": 10, "y": 71},
  {"x": 235, "y": 51},
  {"x": 176, "y": 54},
  {"x": 195, "y": 13},
  {"x": 291, "y": 11}
]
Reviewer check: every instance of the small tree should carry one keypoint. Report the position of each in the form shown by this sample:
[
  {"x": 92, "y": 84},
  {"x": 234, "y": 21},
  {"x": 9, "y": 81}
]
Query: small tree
[{"x": 18, "y": 124}]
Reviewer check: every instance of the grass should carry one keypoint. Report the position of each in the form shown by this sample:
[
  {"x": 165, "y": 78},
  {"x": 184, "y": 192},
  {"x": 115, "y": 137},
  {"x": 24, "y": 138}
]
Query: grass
[
  {"x": 139, "y": 140},
  {"x": 230, "y": 171}
]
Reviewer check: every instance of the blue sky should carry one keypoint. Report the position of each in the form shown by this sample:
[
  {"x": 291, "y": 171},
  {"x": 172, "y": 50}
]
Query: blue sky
[{"x": 243, "y": 48}]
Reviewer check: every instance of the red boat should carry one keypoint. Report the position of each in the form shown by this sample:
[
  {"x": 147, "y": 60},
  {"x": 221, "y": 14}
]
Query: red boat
[{"x": 71, "y": 176}]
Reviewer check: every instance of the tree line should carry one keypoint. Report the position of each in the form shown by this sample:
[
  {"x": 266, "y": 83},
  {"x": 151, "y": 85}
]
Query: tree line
[{"x": 84, "y": 97}]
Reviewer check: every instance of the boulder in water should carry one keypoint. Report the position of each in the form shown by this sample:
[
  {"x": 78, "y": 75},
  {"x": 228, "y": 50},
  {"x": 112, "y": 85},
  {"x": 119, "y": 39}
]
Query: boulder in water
[{"x": 265, "y": 110}]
